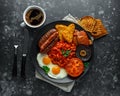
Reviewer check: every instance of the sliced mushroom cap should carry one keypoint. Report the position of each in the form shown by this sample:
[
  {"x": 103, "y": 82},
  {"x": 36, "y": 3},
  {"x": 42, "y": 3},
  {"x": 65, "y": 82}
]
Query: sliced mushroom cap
[{"x": 83, "y": 52}]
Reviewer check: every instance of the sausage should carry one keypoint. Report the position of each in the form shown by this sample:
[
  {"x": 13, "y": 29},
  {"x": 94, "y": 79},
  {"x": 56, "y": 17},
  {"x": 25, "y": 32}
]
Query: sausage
[
  {"x": 48, "y": 40},
  {"x": 50, "y": 45},
  {"x": 45, "y": 36}
]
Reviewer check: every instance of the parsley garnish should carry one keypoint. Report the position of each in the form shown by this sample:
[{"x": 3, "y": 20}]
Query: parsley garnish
[
  {"x": 65, "y": 53},
  {"x": 46, "y": 69},
  {"x": 86, "y": 64}
]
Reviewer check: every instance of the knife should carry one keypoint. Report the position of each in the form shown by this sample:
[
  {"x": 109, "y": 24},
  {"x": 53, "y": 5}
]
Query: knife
[{"x": 24, "y": 54}]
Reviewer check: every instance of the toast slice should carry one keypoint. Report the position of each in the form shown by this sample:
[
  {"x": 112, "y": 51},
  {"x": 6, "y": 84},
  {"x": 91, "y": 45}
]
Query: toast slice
[
  {"x": 99, "y": 30},
  {"x": 94, "y": 26},
  {"x": 87, "y": 22}
]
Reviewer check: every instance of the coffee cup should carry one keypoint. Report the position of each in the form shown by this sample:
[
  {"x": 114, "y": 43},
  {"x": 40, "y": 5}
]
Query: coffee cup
[{"x": 33, "y": 16}]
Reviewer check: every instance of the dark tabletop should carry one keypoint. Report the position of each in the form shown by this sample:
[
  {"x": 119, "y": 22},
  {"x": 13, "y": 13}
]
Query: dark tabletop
[{"x": 103, "y": 78}]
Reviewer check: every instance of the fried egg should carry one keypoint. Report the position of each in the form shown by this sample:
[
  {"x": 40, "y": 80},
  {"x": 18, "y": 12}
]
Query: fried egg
[
  {"x": 43, "y": 59},
  {"x": 55, "y": 71}
]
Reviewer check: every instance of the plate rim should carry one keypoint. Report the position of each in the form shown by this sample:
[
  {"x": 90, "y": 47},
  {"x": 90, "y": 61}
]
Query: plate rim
[{"x": 40, "y": 70}]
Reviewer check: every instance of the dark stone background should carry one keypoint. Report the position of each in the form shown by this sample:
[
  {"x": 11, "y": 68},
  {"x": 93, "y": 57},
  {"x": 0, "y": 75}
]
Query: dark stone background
[{"x": 103, "y": 78}]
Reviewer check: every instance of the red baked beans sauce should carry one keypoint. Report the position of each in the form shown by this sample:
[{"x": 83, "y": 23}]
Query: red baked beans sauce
[{"x": 57, "y": 56}]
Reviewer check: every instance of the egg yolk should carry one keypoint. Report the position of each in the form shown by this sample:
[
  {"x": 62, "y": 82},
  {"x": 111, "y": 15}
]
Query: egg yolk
[
  {"x": 46, "y": 60},
  {"x": 56, "y": 70}
]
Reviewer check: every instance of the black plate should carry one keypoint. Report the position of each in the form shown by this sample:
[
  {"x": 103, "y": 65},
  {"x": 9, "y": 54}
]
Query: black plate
[{"x": 35, "y": 51}]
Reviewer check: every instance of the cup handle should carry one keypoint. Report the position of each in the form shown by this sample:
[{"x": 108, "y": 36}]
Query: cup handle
[{"x": 23, "y": 24}]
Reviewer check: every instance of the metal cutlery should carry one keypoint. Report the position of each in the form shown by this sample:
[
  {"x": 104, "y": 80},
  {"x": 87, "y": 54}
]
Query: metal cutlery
[
  {"x": 14, "y": 70},
  {"x": 24, "y": 54}
]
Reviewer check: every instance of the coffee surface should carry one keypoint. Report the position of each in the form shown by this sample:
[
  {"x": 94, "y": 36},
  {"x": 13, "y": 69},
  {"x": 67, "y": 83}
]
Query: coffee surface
[{"x": 34, "y": 16}]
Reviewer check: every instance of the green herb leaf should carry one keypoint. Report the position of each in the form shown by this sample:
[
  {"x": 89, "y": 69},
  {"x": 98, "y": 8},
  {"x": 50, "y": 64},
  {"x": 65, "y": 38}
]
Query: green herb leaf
[
  {"x": 65, "y": 53},
  {"x": 86, "y": 64},
  {"x": 46, "y": 69},
  {"x": 68, "y": 52}
]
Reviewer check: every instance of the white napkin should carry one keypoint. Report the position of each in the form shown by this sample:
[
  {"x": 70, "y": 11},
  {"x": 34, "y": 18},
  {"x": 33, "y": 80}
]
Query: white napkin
[
  {"x": 65, "y": 87},
  {"x": 69, "y": 17},
  {"x": 68, "y": 86}
]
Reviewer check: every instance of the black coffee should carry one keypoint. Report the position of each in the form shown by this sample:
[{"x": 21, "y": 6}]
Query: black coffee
[{"x": 34, "y": 16}]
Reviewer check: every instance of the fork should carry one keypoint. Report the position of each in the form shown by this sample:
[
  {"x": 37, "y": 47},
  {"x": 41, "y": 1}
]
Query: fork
[{"x": 14, "y": 70}]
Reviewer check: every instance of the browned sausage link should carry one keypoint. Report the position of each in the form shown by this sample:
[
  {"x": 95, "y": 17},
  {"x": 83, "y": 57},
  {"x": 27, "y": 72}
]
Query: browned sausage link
[
  {"x": 47, "y": 49},
  {"x": 48, "y": 41},
  {"x": 45, "y": 36}
]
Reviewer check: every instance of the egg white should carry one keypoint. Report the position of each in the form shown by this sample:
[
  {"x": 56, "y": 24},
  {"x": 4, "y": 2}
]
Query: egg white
[
  {"x": 40, "y": 59},
  {"x": 60, "y": 75}
]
